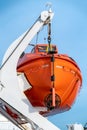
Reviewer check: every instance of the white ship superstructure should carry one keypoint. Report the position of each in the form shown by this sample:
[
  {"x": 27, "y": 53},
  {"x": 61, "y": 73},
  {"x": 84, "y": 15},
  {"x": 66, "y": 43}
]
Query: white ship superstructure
[{"x": 7, "y": 125}]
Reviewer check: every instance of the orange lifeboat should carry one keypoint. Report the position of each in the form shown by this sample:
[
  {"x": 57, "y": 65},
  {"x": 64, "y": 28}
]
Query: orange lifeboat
[{"x": 55, "y": 79}]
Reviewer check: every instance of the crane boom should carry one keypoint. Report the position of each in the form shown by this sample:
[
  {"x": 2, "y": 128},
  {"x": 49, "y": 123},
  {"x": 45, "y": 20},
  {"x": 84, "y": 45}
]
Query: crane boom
[{"x": 13, "y": 103}]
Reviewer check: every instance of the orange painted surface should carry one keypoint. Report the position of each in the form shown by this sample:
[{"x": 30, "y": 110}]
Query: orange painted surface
[{"x": 55, "y": 79}]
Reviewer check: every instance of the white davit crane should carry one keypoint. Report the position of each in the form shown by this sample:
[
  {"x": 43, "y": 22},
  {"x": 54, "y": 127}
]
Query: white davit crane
[{"x": 13, "y": 103}]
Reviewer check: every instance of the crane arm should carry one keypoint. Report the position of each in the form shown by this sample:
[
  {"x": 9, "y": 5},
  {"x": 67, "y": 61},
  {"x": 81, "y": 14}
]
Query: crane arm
[{"x": 20, "y": 111}]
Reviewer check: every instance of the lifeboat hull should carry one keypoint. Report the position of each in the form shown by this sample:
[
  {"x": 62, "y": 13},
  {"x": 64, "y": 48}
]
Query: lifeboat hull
[{"x": 51, "y": 72}]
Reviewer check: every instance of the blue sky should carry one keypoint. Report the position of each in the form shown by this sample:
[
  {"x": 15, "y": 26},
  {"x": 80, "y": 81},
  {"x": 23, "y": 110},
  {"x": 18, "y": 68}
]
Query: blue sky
[{"x": 69, "y": 33}]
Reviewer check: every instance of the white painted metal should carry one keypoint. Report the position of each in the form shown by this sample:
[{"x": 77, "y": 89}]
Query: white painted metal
[
  {"x": 75, "y": 127},
  {"x": 3, "y": 119},
  {"x": 23, "y": 83},
  {"x": 9, "y": 84}
]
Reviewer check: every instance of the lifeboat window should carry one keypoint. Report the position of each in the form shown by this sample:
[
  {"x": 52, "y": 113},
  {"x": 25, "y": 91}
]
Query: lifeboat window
[
  {"x": 54, "y": 48},
  {"x": 45, "y": 48},
  {"x": 42, "y": 48}
]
